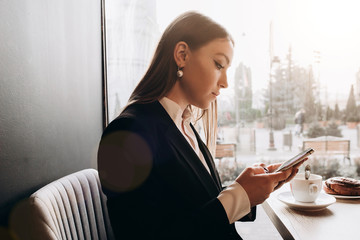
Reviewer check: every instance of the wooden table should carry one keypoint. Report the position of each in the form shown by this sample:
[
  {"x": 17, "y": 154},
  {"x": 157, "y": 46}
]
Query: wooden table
[{"x": 340, "y": 220}]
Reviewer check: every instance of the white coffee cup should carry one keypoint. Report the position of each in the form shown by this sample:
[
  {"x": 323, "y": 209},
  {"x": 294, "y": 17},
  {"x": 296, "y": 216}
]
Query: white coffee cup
[{"x": 306, "y": 190}]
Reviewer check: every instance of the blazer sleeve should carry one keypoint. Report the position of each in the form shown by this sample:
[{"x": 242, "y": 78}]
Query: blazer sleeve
[{"x": 137, "y": 197}]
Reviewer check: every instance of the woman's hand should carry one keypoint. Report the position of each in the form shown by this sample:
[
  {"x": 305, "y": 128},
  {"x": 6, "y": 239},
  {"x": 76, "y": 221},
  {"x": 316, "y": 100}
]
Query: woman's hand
[
  {"x": 260, "y": 180},
  {"x": 258, "y": 184},
  {"x": 294, "y": 171}
]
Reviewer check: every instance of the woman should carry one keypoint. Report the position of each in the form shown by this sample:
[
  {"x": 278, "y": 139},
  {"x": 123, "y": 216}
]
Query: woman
[{"x": 158, "y": 175}]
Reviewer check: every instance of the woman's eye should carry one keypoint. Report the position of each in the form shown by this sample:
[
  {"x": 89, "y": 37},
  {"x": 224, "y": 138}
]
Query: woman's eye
[{"x": 218, "y": 65}]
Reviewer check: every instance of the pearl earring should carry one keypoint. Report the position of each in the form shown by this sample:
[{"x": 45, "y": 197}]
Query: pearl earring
[{"x": 179, "y": 73}]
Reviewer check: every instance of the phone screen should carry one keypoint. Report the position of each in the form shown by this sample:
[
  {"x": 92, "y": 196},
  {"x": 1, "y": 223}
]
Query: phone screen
[{"x": 293, "y": 161}]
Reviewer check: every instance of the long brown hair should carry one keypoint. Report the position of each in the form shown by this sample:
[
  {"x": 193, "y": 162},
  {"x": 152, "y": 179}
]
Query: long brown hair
[{"x": 196, "y": 30}]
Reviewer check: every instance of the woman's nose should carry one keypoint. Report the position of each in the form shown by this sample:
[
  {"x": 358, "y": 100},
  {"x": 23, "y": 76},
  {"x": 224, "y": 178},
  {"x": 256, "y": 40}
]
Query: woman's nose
[{"x": 223, "y": 81}]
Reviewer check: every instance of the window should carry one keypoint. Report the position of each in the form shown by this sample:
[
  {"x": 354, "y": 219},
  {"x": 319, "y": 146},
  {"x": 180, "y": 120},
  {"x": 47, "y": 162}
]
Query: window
[{"x": 294, "y": 80}]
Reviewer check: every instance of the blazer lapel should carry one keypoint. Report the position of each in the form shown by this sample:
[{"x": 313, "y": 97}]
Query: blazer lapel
[
  {"x": 208, "y": 158},
  {"x": 175, "y": 137},
  {"x": 179, "y": 142}
]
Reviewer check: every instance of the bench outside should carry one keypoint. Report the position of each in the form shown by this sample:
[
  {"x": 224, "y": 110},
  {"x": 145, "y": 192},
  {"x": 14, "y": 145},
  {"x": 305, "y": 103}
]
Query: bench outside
[
  {"x": 225, "y": 150},
  {"x": 328, "y": 145}
]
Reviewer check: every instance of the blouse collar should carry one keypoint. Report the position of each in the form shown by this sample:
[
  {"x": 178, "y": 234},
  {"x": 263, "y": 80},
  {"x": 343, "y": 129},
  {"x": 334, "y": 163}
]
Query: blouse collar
[{"x": 175, "y": 112}]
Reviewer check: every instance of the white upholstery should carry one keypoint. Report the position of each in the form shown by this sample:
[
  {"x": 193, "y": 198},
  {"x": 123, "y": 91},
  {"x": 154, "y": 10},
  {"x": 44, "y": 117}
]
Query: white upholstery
[{"x": 72, "y": 207}]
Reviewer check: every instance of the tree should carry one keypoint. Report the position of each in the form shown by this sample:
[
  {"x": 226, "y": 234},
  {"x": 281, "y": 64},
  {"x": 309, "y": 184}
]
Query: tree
[
  {"x": 351, "y": 110},
  {"x": 329, "y": 114},
  {"x": 337, "y": 113},
  {"x": 243, "y": 94},
  {"x": 293, "y": 88},
  {"x": 333, "y": 130},
  {"x": 315, "y": 130},
  {"x": 319, "y": 111},
  {"x": 309, "y": 98}
]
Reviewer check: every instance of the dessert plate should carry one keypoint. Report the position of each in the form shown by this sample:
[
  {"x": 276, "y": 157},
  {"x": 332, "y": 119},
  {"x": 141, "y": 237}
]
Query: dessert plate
[
  {"x": 344, "y": 196},
  {"x": 320, "y": 203}
]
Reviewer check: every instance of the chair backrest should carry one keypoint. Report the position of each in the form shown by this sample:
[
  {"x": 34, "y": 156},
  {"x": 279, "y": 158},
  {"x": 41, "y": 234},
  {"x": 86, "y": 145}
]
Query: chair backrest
[{"x": 72, "y": 207}]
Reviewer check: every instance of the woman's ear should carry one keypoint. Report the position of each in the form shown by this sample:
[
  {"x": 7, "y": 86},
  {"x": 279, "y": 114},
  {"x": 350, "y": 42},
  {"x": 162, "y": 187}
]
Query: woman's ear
[{"x": 181, "y": 53}]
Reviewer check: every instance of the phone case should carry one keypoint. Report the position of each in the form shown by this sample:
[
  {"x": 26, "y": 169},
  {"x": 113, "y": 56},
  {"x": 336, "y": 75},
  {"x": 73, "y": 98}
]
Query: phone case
[{"x": 295, "y": 160}]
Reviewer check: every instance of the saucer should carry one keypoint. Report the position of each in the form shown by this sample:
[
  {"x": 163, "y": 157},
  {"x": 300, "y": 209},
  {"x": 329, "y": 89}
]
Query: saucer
[{"x": 322, "y": 201}]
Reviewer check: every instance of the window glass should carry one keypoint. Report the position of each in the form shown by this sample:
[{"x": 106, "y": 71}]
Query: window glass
[{"x": 294, "y": 81}]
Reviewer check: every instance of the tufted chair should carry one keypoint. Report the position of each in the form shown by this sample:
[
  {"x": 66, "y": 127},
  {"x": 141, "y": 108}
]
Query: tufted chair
[{"x": 72, "y": 207}]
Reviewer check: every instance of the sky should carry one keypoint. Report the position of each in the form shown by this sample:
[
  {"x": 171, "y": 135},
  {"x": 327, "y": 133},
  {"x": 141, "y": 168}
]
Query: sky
[{"x": 330, "y": 27}]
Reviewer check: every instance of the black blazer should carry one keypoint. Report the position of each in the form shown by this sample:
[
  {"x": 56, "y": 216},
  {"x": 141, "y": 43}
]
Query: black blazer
[{"x": 157, "y": 188}]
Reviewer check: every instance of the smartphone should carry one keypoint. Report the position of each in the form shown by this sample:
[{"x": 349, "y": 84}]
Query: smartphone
[{"x": 295, "y": 160}]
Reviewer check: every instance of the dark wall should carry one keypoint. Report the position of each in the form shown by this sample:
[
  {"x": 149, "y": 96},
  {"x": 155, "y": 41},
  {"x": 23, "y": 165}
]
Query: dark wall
[{"x": 50, "y": 93}]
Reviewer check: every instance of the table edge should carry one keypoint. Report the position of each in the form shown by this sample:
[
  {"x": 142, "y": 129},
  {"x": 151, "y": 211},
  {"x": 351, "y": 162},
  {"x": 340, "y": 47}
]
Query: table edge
[{"x": 280, "y": 226}]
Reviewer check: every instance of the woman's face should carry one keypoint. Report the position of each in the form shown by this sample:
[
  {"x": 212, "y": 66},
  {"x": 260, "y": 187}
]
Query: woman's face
[{"x": 205, "y": 72}]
